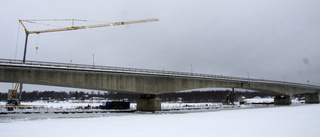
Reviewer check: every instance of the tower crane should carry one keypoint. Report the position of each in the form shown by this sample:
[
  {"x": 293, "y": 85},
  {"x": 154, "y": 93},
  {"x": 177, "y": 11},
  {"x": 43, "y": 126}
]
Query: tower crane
[
  {"x": 69, "y": 28},
  {"x": 73, "y": 27}
]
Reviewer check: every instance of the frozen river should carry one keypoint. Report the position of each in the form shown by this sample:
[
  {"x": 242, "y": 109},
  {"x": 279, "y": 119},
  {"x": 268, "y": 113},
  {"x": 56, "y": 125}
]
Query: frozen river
[{"x": 284, "y": 121}]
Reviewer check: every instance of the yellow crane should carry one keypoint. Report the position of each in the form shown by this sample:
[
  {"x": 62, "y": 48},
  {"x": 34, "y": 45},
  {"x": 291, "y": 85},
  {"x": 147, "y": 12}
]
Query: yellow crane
[
  {"x": 80, "y": 27},
  {"x": 72, "y": 27},
  {"x": 12, "y": 95}
]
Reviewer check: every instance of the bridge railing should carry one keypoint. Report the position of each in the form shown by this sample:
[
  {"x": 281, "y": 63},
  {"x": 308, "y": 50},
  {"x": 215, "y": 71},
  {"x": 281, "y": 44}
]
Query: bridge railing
[{"x": 141, "y": 71}]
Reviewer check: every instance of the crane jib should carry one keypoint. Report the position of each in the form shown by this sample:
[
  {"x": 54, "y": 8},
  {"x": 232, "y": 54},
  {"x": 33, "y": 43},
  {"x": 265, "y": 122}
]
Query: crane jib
[{"x": 82, "y": 27}]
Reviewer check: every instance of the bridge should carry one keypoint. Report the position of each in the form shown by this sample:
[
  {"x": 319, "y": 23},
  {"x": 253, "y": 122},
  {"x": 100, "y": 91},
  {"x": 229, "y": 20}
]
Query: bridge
[{"x": 146, "y": 82}]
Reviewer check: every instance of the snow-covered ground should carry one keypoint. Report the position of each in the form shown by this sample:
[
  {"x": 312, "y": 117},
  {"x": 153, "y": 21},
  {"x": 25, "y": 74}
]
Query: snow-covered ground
[
  {"x": 285, "y": 121},
  {"x": 73, "y": 105},
  {"x": 270, "y": 100}
]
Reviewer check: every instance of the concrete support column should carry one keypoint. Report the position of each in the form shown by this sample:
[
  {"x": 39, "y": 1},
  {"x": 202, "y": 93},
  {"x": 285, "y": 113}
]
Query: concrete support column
[
  {"x": 282, "y": 100},
  {"x": 149, "y": 103},
  {"x": 311, "y": 98}
]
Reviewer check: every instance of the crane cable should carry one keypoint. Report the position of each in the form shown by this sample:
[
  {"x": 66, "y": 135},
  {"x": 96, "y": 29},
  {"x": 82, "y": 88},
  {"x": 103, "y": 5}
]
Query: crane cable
[
  {"x": 47, "y": 24},
  {"x": 37, "y": 43}
]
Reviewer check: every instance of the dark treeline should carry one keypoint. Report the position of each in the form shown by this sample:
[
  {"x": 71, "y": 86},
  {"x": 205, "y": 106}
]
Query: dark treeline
[{"x": 192, "y": 97}]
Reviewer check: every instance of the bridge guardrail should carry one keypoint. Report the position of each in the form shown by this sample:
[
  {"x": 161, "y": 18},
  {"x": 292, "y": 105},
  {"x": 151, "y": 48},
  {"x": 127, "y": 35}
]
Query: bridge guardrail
[{"x": 142, "y": 71}]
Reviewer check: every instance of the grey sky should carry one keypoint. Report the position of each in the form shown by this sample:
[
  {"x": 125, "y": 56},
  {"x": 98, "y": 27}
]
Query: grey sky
[{"x": 269, "y": 39}]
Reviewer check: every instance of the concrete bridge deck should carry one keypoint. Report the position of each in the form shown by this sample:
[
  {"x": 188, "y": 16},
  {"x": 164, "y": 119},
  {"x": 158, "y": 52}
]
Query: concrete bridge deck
[
  {"x": 142, "y": 81},
  {"x": 131, "y": 80}
]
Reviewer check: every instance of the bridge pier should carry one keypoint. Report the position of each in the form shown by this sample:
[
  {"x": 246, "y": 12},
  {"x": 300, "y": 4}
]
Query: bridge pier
[
  {"x": 311, "y": 98},
  {"x": 282, "y": 100},
  {"x": 149, "y": 103}
]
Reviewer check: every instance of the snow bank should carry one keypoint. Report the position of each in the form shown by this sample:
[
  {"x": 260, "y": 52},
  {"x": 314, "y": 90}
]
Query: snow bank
[
  {"x": 259, "y": 100},
  {"x": 285, "y": 121}
]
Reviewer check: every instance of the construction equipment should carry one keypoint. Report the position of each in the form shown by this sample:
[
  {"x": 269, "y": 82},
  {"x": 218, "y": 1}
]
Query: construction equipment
[
  {"x": 12, "y": 95},
  {"x": 72, "y": 27},
  {"x": 229, "y": 99}
]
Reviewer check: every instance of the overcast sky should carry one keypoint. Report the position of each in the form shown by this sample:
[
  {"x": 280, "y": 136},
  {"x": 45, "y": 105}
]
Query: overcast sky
[{"x": 269, "y": 39}]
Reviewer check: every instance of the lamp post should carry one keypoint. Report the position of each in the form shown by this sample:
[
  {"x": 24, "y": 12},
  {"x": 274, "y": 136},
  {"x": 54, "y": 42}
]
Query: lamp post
[
  {"x": 248, "y": 75},
  {"x": 191, "y": 69},
  {"x": 93, "y": 59}
]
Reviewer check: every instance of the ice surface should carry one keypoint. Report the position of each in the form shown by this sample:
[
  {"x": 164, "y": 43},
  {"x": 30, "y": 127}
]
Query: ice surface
[{"x": 283, "y": 121}]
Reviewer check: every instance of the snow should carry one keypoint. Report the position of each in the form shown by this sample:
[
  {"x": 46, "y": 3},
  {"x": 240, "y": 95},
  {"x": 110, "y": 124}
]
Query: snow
[
  {"x": 270, "y": 100},
  {"x": 60, "y": 104},
  {"x": 259, "y": 100},
  {"x": 288, "y": 121}
]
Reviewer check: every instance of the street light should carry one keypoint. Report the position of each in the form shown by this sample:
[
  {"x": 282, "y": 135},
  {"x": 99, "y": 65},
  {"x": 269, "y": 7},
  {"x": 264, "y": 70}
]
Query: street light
[
  {"x": 70, "y": 62},
  {"x": 191, "y": 68},
  {"x": 248, "y": 74},
  {"x": 93, "y": 59}
]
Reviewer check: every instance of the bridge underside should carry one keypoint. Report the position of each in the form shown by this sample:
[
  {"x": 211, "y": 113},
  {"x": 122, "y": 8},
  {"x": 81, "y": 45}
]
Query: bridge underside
[{"x": 137, "y": 83}]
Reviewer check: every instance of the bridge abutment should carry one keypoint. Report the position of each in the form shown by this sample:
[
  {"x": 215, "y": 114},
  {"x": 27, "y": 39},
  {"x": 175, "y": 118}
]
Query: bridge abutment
[
  {"x": 149, "y": 103},
  {"x": 311, "y": 98},
  {"x": 282, "y": 100}
]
